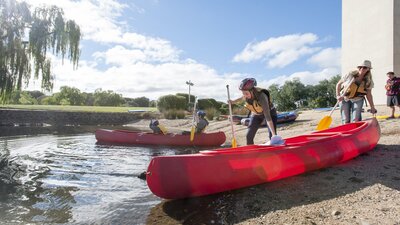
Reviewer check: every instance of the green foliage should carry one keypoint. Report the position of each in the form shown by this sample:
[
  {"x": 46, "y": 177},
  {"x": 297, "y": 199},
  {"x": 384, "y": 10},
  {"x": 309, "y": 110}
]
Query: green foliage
[
  {"x": 153, "y": 103},
  {"x": 70, "y": 96},
  {"x": 27, "y": 99},
  {"x": 285, "y": 97},
  {"x": 186, "y": 96},
  {"x": 293, "y": 94},
  {"x": 168, "y": 102},
  {"x": 206, "y": 103},
  {"x": 138, "y": 102},
  {"x": 211, "y": 113},
  {"x": 173, "y": 114},
  {"x": 36, "y": 94},
  {"x": 224, "y": 109},
  {"x": 50, "y": 100},
  {"x": 107, "y": 98},
  {"x": 47, "y": 30},
  {"x": 324, "y": 93},
  {"x": 88, "y": 98}
]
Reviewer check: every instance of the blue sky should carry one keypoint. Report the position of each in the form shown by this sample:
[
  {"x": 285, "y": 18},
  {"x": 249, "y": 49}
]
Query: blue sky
[{"x": 152, "y": 47}]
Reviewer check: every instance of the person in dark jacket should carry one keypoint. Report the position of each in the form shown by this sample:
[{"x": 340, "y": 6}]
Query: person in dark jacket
[{"x": 392, "y": 92}]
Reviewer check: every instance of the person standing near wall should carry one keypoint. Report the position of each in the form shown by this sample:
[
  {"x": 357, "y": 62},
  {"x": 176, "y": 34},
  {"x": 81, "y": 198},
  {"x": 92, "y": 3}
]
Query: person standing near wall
[{"x": 393, "y": 92}]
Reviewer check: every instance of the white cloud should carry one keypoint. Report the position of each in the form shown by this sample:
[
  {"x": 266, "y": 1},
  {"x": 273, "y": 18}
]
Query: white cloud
[
  {"x": 305, "y": 77},
  {"x": 143, "y": 79},
  {"x": 278, "y": 51},
  {"x": 329, "y": 57},
  {"x": 96, "y": 18}
]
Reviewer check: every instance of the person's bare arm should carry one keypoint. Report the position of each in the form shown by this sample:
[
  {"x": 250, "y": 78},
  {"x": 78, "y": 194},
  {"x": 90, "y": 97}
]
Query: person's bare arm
[
  {"x": 235, "y": 101},
  {"x": 339, "y": 97},
  {"x": 371, "y": 101},
  {"x": 267, "y": 112}
]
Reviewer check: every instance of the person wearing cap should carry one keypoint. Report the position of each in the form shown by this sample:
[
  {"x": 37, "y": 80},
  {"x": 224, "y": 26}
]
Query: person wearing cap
[
  {"x": 157, "y": 128},
  {"x": 201, "y": 122},
  {"x": 393, "y": 92},
  {"x": 352, "y": 100},
  {"x": 258, "y": 101}
]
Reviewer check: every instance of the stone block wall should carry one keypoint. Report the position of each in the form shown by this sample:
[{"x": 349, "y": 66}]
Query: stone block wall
[{"x": 62, "y": 118}]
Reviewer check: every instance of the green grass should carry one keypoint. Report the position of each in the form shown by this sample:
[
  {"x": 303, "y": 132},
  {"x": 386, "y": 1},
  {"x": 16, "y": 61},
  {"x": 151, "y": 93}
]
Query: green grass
[{"x": 77, "y": 108}]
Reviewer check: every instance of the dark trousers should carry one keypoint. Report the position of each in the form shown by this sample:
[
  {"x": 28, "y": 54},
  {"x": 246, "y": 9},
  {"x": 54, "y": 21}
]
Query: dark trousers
[{"x": 255, "y": 123}]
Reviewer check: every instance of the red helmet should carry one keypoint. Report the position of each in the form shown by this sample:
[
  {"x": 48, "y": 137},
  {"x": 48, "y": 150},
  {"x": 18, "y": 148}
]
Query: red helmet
[{"x": 247, "y": 84}]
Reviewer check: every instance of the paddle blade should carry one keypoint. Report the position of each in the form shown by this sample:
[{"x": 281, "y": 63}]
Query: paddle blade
[
  {"x": 192, "y": 134},
  {"x": 234, "y": 144},
  {"x": 324, "y": 123}
]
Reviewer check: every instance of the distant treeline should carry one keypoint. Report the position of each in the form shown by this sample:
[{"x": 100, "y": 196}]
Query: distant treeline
[{"x": 290, "y": 96}]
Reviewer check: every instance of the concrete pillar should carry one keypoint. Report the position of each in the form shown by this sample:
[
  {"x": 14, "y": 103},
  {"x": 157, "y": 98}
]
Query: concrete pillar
[{"x": 371, "y": 30}]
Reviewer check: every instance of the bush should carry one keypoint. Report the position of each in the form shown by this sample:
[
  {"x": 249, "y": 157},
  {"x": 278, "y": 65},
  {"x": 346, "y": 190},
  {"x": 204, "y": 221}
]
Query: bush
[
  {"x": 211, "y": 113},
  {"x": 168, "y": 102},
  {"x": 174, "y": 114},
  {"x": 180, "y": 114}
]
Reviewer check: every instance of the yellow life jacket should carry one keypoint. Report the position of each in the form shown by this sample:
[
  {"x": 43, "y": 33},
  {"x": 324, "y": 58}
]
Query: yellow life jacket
[
  {"x": 356, "y": 90},
  {"x": 163, "y": 129},
  {"x": 253, "y": 105}
]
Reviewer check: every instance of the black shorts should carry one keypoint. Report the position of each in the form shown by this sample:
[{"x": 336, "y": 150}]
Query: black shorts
[{"x": 393, "y": 100}]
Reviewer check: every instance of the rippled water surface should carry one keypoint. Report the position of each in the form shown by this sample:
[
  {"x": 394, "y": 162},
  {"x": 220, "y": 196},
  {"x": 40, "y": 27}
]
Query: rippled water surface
[{"x": 72, "y": 180}]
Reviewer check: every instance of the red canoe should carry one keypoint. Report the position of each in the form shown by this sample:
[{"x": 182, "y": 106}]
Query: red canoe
[
  {"x": 142, "y": 138},
  {"x": 213, "y": 171}
]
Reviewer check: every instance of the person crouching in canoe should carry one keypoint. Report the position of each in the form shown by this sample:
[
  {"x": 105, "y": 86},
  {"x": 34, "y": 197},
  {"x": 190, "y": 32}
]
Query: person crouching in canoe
[
  {"x": 258, "y": 101},
  {"x": 156, "y": 127},
  {"x": 201, "y": 123}
]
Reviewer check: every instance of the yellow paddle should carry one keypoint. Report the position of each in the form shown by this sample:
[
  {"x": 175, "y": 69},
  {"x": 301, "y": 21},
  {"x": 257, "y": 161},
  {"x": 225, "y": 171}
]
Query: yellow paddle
[
  {"x": 234, "y": 145},
  {"x": 325, "y": 122},
  {"x": 194, "y": 120}
]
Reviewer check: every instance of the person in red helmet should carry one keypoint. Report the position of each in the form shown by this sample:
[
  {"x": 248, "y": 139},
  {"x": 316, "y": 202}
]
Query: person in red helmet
[{"x": 258, "y": 101}]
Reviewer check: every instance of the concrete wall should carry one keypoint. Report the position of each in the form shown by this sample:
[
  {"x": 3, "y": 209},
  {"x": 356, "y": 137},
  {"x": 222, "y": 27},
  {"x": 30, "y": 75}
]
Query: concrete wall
[
  {"x": 370, "y": 30},
  {"x": 396, "y": 59}
]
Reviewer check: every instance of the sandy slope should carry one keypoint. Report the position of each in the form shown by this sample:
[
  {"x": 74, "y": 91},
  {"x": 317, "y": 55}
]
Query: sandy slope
[{"x": 365, "y": 190}]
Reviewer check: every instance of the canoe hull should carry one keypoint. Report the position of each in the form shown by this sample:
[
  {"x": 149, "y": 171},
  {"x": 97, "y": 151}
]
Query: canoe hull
[
  {"x": 213, "y": 171},
  {"x": 142, "y": 138}
]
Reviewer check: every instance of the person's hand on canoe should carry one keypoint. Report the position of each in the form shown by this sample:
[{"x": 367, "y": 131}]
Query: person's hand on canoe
[
  {"x": 275, "y": 140},
  {"x": 372, "y": 110}
]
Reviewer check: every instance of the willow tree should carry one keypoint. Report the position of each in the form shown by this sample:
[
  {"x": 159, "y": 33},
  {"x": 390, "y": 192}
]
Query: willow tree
[{"x": 26, "y": 38}]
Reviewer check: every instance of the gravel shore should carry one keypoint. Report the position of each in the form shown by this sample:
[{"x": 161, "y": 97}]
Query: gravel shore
[{"x": 365, "y": 190}]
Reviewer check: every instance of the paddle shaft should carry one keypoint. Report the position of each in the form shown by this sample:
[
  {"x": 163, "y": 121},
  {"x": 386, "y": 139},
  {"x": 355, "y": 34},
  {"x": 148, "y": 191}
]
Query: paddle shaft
[
  {"x": 194, "y": 110},
  {"x": 230, "y": 112}
]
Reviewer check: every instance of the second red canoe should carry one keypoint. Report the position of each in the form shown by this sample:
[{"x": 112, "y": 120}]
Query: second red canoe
[{"x": 170, "y": 139}]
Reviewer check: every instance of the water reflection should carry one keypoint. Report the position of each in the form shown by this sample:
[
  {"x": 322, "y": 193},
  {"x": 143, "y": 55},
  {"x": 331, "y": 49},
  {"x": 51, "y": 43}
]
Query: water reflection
[{"x": 71, "y": 179}]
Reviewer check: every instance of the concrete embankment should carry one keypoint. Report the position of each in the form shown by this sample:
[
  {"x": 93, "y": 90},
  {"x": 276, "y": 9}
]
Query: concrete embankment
[
  {"x": 62, "y": 118},
  {"x": 22, "y": 122}
]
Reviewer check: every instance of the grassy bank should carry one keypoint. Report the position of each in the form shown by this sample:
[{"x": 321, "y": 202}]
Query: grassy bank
[{"x": 77, "y": 108}]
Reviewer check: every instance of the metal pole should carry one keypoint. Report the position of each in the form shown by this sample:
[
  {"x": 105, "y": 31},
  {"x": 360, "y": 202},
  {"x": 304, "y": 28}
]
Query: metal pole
[{"x": 189, "y": 83}]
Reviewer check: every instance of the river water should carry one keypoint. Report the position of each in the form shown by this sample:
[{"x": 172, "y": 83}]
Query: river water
[{"x": 69, "y": 179}]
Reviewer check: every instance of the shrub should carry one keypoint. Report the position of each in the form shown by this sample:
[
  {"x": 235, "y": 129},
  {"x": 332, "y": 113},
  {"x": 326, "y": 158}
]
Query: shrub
[
  {"x": 180, "y": 114},
  {"x": 211, "y": 113},
  {"x": 174, "y": 114},
  {"x": 168, "y": 102}
]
